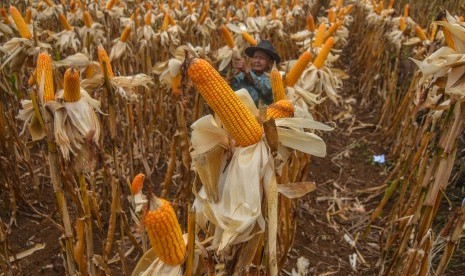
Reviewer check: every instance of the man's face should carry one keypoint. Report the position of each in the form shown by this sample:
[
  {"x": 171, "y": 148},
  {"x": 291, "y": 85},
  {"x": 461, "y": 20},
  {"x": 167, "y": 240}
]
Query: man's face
[{"x": 261, "y": 61}]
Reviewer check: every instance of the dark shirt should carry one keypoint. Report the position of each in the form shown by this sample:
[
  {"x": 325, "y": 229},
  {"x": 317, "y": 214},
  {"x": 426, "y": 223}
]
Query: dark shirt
[{"x": 259, "y": 89}]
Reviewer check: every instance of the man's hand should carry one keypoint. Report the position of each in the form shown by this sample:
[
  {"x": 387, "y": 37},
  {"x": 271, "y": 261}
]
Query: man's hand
[{"x": 240, "y": 65}]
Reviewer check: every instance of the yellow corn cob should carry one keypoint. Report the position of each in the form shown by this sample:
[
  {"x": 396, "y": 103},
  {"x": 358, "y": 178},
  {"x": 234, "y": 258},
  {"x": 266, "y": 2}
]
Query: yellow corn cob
[
  {"x": 310, "y": 23},
  {"x": 148, "y": 18},
  {"x": 237, "y": 119},
  {"x": 262, "y": 10},
  {"x": 249, "y": 38},
  {"x": 332, "y": 30},
  {"x": 164, "y": 232},
  {"x": 251, "y": 9},
  {"x": 71, "y": 86},
  {"x": 280, "y": 109},
  {"x": 283, "y": 4},
  {"x": 227, "y": 36},
  {"x": 64, "y": 22},
  {"x": 176, "y": 84},
  {"x": 331, "y": 15},
  {"x": 320, "y": 35},
  {"x": 324, "y": 52},
  {"x": 176, "y": 5},
  {"x": 339, "y": 4},
  {"x": 172, "y": 22},
  {"x": 89, "y": 72},
  {"x": 21, "y": 25},
  {"x": 28, "y": 17},
  {"x": 402, "y": 24},
  {"x": 170, "y": 4},
  {"x": 32, "y": 79},
  {"x": 277, "y": 85},
  {"x": 273, "y": 13},
  {"x": 299, "y": 66},
  {"x": 137, "y": 183},
  {"x": 239, "y": 4},
  {"x": 125, "y": 34},
  {"x": 110, "y": 4},
  {"x": 166, "y": 22},
  {"x": 420, "y": 33},
  {"x": 190, "y": 10},
  {"x": 87, "y": 19},
  {"x": 103, "y": 58},
  {"x": 228, "y": 15},
  {"x": 161, "y": 8},
  {"x": 379, "y": 8},
  {"x": 44, "y": 70},
  {"x": 202, "y": 18},
  {"x": 48, "y": 2},
  {"x": 448, "y": 37},
  {"x": 434, "y": 29},
  {"x": 391, "y": 4},
  {"x": 406, "y": 10},
  {"x": 349, "y": 8},
  {"x": 5, "y": 16}
]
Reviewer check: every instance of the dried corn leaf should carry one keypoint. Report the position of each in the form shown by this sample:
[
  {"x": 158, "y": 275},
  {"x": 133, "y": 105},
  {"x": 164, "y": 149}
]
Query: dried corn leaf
[{"x": 297, "y": 189}]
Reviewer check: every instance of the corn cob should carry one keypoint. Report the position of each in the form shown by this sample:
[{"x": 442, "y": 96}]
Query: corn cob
[
  {"x": 406, "y": 10},
  {"x": 273, "y": 13},
  {"x": 32, "y": 79},
  {"x": 448, "y": 37},
  {"x": 299, "y": 66},
  {"x": 5, "y": 16},
  {"x": 164, "y": 232},
  {"x": 190, "y": 10},
  {"x": 251, "y": 9},
  {"x": 202, "y": 18},
  {"x": 277, "y": 85},
  {"x": 103, "y": 58},
  {"x": 237, "y": 119},
  {"x": 249, "y": 38},
  {"x": 71, "y": 86},
  {"x": 166, "y": 21},
  {"x": 420, "y": 33},
  {"x": 21, "y": 25},
  {"x": 283, "y": 4},
  {"x": 176, "y": 84},
  {"x": 379, "y": 8},
  {"x": 310, "y": 23},
  {"x": 320, "y": 35},
  {"x": 125, "y": 34},
  {"x": 110, "y": 4},
  {"x": 332, "y": 30},
  {"x": 324, "y": 52},
  {"x": 44, "y": 70},
  {"x": 434, "y": 29},
  {"x": 171, "y": 20},
  {"x": 48, "y": 2},
  {"x": 349, "y": 8},
  {"x": 280, "y": 109},
  {"x": 28, "y": 17},
  {"x": 228, "y": 15},
  {"x": 331, "y": 15},
  {"x": 402, "y": 24},
  {"x": 89, "y": 72},
  {"x": 262, "y": 10},
  {"x": 137, "y": 183},
  {"x": 64, "y": 22},
  {"x": 148, "y": 18},
  {"x": 227, "y": 36},
  {"x": 339, "y": 4},
  {"x": 391, "y": 4},
  {"x": 87, "y": 19}
]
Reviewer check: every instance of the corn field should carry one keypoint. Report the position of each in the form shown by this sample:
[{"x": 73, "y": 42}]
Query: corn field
[{"x": 125, "y": 151}]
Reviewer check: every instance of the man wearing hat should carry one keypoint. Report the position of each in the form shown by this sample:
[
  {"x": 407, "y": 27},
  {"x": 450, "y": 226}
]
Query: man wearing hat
[{"x": 256, "y": 79}]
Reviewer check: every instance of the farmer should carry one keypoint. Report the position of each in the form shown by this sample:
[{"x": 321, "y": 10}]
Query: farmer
[{"x": 256, "y": 79}]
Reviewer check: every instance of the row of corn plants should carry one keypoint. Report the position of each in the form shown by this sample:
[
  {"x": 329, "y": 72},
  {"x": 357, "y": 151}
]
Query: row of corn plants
[
  {"x": 105, "y": 103},
  {"x": 421, "y": 117}
]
